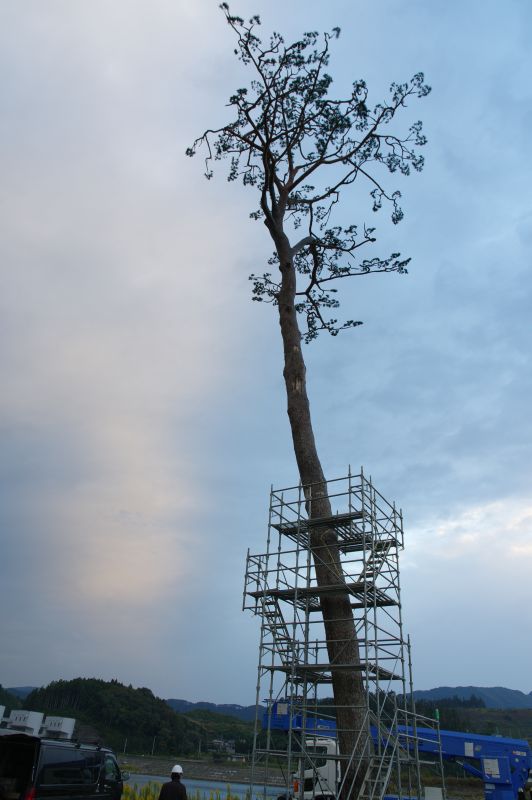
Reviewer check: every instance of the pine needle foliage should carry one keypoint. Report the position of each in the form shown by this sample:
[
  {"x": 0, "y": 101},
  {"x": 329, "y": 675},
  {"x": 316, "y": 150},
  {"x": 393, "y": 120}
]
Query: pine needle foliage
[{"x": 300, "y": 148}]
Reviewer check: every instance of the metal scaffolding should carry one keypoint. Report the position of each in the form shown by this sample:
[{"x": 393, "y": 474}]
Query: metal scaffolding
[{"x": 294, "y": 670}]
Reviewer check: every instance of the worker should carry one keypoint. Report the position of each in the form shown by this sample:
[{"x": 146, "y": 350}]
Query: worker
[{"x": 174, "y": 789}]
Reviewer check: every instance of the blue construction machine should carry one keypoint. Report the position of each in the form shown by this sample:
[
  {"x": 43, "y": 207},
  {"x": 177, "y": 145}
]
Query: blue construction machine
[{"x": 502, "y": 764}]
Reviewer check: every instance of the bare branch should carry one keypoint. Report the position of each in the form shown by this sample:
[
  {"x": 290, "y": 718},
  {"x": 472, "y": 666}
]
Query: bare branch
[{"x": 287, "y": 133}]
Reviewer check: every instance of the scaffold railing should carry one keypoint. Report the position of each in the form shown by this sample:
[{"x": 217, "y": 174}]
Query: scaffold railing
[{"x": 294, "y": 668}]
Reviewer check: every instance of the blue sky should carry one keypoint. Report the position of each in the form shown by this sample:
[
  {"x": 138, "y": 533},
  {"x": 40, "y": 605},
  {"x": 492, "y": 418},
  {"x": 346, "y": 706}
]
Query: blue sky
[{"x": 142, "y": 416}]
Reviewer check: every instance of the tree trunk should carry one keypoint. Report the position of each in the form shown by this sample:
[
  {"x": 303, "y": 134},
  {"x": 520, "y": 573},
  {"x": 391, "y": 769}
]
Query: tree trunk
[{"x": 340, "y": 633}]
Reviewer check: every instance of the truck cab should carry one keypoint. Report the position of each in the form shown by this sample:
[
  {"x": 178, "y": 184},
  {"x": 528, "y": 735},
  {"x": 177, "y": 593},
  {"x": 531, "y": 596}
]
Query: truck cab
[{"x": 318, "y": 772}]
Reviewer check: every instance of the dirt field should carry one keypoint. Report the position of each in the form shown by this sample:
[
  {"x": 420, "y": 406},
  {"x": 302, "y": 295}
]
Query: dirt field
[
  {"x": 457, "y": 789},
  {"x": 196, "y": 769}
]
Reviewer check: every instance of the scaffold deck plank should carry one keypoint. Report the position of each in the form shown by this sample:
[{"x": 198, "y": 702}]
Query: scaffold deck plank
[
  {"x": 350, "y": 538},
  {"x": 309, "y": 596},
  {"x": 333, "y": 521},
  {"x": 322, "y": 673},
  {"x": 359, "y": 543}
]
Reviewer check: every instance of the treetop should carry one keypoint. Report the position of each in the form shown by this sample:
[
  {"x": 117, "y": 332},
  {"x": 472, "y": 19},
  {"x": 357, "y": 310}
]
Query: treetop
[{"x": 300, "y": 148}]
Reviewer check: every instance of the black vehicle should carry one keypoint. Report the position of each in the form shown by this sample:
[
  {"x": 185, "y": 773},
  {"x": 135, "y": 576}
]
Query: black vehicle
[{"x": 32, "y": 768}]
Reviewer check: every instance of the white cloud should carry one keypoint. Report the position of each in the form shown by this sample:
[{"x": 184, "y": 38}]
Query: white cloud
[{"x": 492, "y": 534}]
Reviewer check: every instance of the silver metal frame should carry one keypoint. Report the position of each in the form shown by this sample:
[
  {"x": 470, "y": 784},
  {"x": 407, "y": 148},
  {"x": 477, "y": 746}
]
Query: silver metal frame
[{"x": 280, "y": 588}]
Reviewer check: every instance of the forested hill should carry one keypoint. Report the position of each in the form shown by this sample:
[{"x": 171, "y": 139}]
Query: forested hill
[
  {"x": 10, "y": 701},
  {"x": 123, "y": 717},
  {"x": 492, "y": 697},
  {"x": 113, "y": 713}
]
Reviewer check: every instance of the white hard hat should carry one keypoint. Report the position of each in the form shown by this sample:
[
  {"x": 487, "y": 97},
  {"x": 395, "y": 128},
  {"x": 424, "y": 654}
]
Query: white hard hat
[{"x": 177, "y": 768}]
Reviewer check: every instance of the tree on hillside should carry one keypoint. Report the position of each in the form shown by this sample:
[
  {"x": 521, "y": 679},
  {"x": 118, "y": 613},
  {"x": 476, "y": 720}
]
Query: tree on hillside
[
  {"x": 116, "y": 712},
  {"x": 10, "y": 701},
  {"x": 301, "y": 150}
]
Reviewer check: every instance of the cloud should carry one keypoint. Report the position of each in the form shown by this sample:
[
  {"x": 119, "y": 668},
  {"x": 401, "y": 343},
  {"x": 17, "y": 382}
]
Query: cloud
[
  {"x": 109, "y": 311},
  {"x": 142, "y": 416},
  {"x": 496, "y": 532}
]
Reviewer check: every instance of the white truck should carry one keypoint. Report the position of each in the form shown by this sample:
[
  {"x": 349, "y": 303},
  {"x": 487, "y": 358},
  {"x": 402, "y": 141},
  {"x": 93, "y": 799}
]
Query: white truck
[{"x": 318, "y": 770}]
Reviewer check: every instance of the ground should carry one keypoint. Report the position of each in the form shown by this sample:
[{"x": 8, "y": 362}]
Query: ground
[
  {"x": 226, "y": 772},
  {"x": 457, "y": 788}
]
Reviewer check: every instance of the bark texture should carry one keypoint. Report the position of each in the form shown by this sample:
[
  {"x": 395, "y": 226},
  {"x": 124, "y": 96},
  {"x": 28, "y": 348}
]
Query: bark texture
[{"x": 342, "y": 644}]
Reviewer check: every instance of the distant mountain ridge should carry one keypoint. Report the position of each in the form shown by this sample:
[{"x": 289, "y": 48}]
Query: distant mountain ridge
[
  {"x": 118, "y": 715},
  {"x": 497, "y": 697},
  {"x": 493, "y": 696},
  {"x": 245, "y": 713},
  {"x": 21, "y": 691}
]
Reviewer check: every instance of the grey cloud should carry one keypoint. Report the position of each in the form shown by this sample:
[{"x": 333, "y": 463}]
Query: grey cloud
[{"x": 142, "y": 403}]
